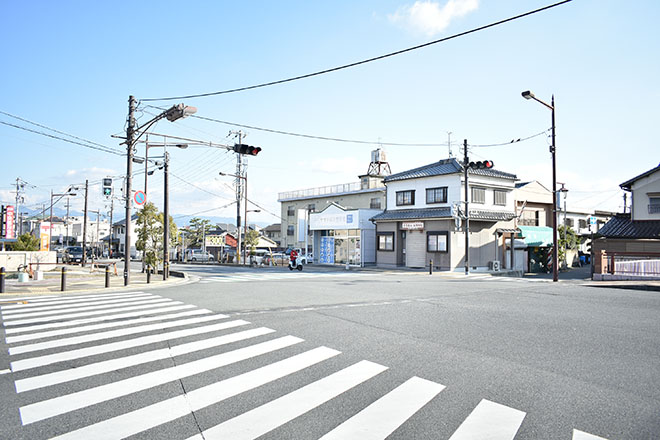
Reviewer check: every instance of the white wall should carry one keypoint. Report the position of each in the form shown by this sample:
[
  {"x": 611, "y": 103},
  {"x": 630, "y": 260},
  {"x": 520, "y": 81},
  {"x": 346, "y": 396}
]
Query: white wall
[{"x": 641, "y": 190}]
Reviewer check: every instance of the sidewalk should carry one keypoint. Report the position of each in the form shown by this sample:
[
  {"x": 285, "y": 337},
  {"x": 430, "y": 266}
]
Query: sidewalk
[{"x": 83, "y": 280}]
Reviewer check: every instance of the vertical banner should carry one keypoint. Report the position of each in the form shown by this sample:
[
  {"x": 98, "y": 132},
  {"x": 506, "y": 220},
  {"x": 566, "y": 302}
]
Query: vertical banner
[
  {"x": 302, "y": 225},
  {"x": 44, "y": 236},
  {"x": 10, "y": 222}
]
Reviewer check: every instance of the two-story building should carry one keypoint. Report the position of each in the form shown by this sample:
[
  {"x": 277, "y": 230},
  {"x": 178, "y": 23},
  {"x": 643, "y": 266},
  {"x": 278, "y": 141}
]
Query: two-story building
[
  {"x": 629, "y": 244},
  {"x": 425, "y": 217}
]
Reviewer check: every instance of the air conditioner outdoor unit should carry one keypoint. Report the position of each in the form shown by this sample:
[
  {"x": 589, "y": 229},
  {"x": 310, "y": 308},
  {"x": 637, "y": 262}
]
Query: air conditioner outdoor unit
[{"x": 494, "y": 265}]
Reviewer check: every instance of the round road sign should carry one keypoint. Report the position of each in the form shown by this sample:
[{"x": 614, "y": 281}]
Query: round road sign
[{"x": 139, "y": 197}]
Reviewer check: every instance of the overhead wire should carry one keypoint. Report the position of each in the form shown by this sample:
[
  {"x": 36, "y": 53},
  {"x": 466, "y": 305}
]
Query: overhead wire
[{"x": 365, "y": 61}]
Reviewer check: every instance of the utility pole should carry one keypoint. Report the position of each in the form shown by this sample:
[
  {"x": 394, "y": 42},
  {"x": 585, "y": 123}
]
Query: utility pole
[
  {"x": 466, "y": 161},
  {"x": 84, "y": 243},
  {"x": 166, "y": 224},
  {"x": 68, "y": 203},
  {"x": 130, "y": 131},
  {"x": 112, "y": 208},
  {"x": 239, "y": 197}
]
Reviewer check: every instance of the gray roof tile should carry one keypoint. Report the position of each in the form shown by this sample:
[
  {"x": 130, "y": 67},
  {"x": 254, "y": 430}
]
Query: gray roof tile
[
  {"x": 444, "y": 167},
  {"x": 620, "y": 226}
]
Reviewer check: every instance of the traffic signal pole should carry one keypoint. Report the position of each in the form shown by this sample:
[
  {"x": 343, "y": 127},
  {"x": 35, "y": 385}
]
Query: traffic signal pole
[
  {"x": 84, "y": 244},
  {"x": 130, "y": 131}
]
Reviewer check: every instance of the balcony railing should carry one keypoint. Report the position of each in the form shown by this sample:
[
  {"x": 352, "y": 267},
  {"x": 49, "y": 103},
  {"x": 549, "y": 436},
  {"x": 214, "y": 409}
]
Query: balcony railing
[
  {"x": 320, "y": 191},
  {"x": 654, "y": 209}
]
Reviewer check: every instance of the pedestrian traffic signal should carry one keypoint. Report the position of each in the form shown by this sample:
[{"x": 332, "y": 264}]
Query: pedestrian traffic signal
[
  {"x": 246, "y": 149},
  {"x": 107, "y": 187},
  {"x": 486, "y": 164}
]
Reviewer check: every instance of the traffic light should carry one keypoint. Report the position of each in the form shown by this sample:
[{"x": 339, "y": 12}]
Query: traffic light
[
  {"x": 486, "y": 164},
  {"x": 246, "y": 149},
  {"x": 107, "y": 187}
]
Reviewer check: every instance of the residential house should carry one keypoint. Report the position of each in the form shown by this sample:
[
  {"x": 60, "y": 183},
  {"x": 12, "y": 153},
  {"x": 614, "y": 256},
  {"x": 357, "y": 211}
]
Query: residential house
[
  {"x": 629, "y": 244},
  {"x": 424, "y": 220},
  {"x": 274, "y": 233},
  {"x": 117, "y": 239}
]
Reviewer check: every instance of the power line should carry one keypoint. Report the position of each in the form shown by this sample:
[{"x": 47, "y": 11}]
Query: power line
[
  {"x": 513, "y": 141},
  {"x": 104, "y": 149},
  {"x": 52, "y": 129},
  {"x": 369, "y": 60}
]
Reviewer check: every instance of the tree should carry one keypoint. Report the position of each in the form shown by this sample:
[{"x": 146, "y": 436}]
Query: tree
[
  {"x": 26, "y": 242},
  {"x": 567, "y": 240},
  {"x": 196, "y": 229},
  {"x": 252, "y": 240},
  {"x": 148, "y": 237}
]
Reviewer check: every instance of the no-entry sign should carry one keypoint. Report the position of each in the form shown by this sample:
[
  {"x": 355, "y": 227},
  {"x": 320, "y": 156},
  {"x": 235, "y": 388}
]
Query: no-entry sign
[{"x": 139, "y": 197}]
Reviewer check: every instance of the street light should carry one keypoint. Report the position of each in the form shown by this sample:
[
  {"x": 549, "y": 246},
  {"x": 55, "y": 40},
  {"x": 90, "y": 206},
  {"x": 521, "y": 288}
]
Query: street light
[
  {"x": 172, "y": 114},
  {"x": 529, "y": 95}
]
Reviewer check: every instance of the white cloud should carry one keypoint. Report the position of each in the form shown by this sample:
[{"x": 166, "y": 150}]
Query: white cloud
[{"x": 429, "y": 17}]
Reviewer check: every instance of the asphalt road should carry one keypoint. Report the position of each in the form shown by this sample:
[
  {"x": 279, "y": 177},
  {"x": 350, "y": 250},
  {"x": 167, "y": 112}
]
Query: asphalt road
[{"x": 275, "y": 354}]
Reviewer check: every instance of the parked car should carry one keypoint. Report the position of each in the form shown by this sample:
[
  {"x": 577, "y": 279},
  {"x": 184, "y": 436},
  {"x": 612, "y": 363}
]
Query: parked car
[
  {"x": 73, "y": 254},
  {"x": 199, "y": 255},
  {"x": 259, "y": 257}
]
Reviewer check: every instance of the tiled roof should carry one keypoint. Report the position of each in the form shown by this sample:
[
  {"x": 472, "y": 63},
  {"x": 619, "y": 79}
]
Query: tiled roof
[
  {"x": 413, "y": 214},
  {"x": 444, "y": 167},
  {"x": 429, "y": 213},
  {"x": 620, "y": 226}
]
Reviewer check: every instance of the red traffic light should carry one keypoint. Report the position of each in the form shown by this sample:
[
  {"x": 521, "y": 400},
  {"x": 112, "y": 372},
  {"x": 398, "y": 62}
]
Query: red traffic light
[
  {"x": 246, "y": 149},
  {"x": 482, "y": 164}
]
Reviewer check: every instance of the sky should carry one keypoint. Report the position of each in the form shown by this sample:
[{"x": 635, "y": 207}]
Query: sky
[{"x": 70, "y": 66}]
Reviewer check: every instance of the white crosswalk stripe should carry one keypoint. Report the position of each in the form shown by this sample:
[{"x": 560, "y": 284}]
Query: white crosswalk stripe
[
  {"x": 270, "y": 276},
  {"x": 72, "y": 342}
]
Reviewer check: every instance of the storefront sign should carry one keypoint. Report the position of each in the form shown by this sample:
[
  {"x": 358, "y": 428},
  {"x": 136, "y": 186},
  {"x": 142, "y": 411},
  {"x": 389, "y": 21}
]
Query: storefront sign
[
  {"x": 9, "y": 222},
  {"x": 44, "y": 236},
  {"x": 214, "y": 240},
  {"x": 412, "y": 226},
  {"x": 327, "y": 250},
  {"x": 334, "y": 220}
]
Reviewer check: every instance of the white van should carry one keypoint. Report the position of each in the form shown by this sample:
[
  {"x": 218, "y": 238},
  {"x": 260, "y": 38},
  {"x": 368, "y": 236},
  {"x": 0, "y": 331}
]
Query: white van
[{"x": 199, "y": 255}]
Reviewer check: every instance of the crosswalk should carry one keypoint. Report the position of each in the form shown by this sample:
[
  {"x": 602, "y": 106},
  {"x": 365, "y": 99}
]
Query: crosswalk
[
  {"x": 238, "y": 277},
  {"x": 88, "y": 367}
]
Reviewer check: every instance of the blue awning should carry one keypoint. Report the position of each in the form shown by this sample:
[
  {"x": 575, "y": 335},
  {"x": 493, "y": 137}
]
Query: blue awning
[{"x": 536, "y": 236}]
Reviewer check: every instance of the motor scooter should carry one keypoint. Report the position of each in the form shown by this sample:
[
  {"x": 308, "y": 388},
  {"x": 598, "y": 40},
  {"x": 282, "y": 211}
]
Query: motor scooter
[{"x": 294, "y": 264}]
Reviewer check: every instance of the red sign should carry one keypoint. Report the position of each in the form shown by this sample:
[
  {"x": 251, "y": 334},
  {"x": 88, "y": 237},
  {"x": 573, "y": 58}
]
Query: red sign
[
  {"x": 140, "y": 197},
  {"x": 231, "y": 241},
  {"x": 10, "y": 223}
]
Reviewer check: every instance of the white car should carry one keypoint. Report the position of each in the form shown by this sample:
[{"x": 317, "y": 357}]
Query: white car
[{"x": 199, "y": 255}]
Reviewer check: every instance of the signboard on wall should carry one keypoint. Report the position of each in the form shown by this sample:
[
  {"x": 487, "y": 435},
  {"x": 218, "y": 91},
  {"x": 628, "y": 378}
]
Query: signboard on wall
[
  {"x": 412, "y": 226},
  {"x": 302, "y": 225},
  {"x": 334, "y": 219},
  {"x": 10, "y": 224},
  {"x": 327, "y": 250},
  {"x": 44, "y": 236}
]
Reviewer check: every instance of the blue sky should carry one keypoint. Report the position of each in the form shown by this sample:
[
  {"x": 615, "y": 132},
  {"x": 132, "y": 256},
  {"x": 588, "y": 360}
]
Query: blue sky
[{"x": 71, "y": 66}]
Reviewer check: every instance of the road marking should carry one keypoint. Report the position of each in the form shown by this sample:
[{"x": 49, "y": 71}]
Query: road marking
[
  {"x": 269, "y": 416},
  {"x": 580, "y": 435},
  {"x": 75, "y": 340},
  {"x": 147, "y": 299},
  {"x": 39, "y": 361},
  {"x": 168, "y": 410},
  {"x": 11, "y": 331},
  {"x": 46, "y": 380},
  {"x": 125, "y": 323},
  {"x": 490, "y": 421},
  {"x": 84, "y": 314},
  {"x": 66, "y": 301},
  {"x": 81, "y": 399},
  {"x": 385, "y": 415},
  {"x": 5, "y": 371}
]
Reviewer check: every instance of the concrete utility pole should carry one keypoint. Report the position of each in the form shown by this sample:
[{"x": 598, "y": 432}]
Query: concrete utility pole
[
  {"x": 466, "y": 161},
  {"x": 239, "y": 197},
  {"x": 130, "y": 131},
  {"x": 84, "y": 243},
  {"x": 166, "y": 225},
  {"x": 112, "y": 208}
]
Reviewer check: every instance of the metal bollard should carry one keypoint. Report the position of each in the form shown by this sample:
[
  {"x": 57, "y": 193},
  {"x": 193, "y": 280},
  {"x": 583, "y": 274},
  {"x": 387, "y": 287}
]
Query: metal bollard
[
  {"x": 107, "y": 276},
  {"x": 148, "y": 275},
  {"x": 2, "y": 279},
  {"x": 63, "y": 285},
  {"x": 430, "y": 267}
]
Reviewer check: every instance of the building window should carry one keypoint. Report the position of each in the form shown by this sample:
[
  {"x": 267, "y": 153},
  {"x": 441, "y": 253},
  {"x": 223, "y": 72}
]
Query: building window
[
  {"x": 375, "y": 203},
  {"x": 386, "y": 241},
  {"x": 311, "y": 207},
  {"x": 436, "y": 241},
  {"x": 436, "y": 195},
  {"x": 478, "y": 195},
  {"x": 289, "y": 230},
  {"x": 654, "y": 205},
  {"x": 405, "y": 197},
  {"x": 568, "y": 222},
  {"x": 290, "y": 211},
  {"x": 529, "y": 218},
  {"x": 500, "y": 197},
  {"x": 583, "y": 223}
]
